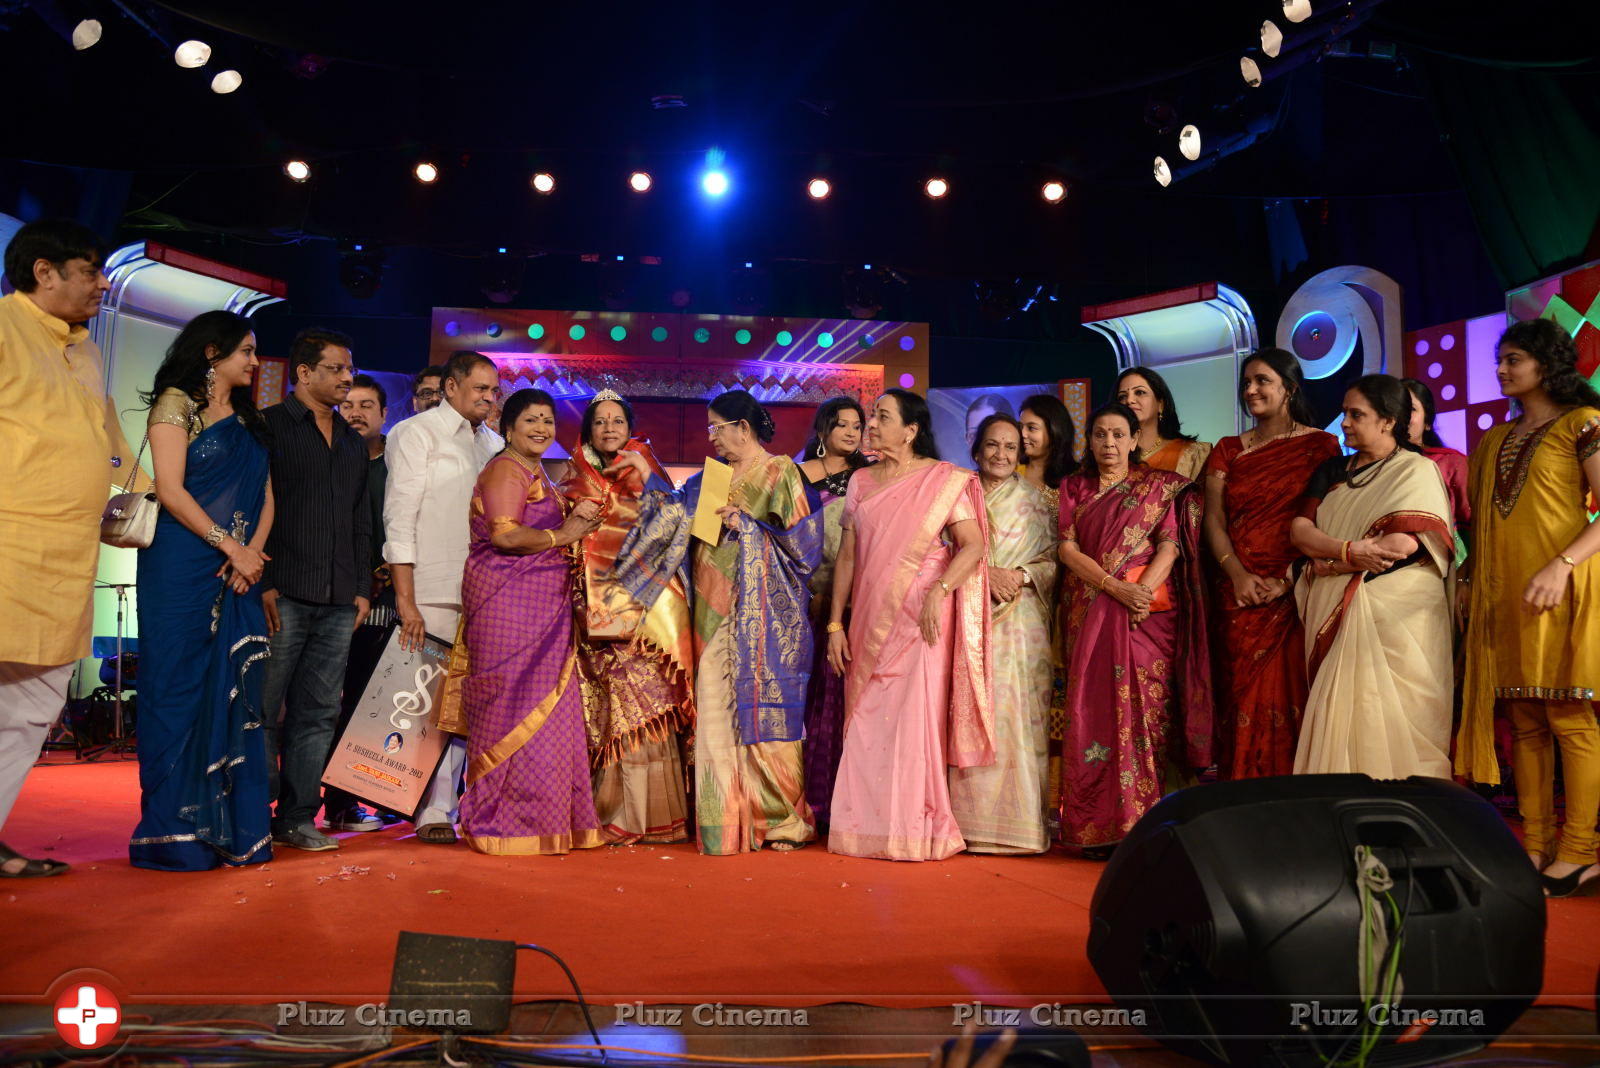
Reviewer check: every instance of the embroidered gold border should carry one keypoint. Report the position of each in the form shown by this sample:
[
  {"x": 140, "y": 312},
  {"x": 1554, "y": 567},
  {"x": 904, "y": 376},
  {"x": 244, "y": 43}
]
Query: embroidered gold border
[{"x": 519, "y": 735}]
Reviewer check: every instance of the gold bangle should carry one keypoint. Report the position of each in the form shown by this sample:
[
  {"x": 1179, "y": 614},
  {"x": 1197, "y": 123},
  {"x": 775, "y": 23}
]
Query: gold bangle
[
  {"x": 1565, "y": 559},
  {"x": 835, "y": 628},
  {"x": 1103, "y": 578},
  {"x": 1225, "y": 558}
]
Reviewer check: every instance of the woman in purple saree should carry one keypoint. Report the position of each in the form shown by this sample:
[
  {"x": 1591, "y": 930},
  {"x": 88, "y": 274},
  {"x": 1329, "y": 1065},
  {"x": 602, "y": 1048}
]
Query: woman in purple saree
[
  {"x": 528, "y": 783},
  {"x": 1135, "y": 649}
]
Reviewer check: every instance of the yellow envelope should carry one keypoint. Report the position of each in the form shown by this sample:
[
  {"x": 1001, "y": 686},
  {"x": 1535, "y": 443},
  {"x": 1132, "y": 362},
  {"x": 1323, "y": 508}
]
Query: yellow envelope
[{"x": 715, "y": 483}]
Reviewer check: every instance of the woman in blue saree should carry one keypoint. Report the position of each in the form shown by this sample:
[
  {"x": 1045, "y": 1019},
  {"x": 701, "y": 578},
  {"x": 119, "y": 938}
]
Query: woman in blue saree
[{"x": 202, "y": 761}]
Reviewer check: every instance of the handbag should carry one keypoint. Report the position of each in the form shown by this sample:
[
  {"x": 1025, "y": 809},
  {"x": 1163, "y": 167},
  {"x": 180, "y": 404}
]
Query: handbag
[
  {"x": 129, "y": 521},
  {"x": 1161, "y": 598}
]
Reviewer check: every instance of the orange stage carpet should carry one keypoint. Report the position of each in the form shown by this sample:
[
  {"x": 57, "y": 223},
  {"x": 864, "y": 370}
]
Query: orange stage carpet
[{"x": 658, "y": 924}]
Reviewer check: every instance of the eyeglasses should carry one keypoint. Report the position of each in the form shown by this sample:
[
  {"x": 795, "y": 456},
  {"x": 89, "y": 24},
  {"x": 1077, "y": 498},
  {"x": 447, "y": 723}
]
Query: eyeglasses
[
  {"x": 428, "y": 394},
  {"x": 338, "y": 368},
  {"x": 712, "y": 428}
]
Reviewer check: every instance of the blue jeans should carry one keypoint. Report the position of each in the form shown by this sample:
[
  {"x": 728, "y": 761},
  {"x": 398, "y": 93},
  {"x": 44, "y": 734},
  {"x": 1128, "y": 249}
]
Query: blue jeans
[{"x": 305, "y": 676}]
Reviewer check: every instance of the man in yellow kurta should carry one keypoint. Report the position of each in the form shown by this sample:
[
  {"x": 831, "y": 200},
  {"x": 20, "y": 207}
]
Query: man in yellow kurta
[{"x": 60, "y": 448}]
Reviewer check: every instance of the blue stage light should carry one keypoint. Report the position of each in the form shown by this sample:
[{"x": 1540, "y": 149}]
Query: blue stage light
[{"x": 715, "y": 183}]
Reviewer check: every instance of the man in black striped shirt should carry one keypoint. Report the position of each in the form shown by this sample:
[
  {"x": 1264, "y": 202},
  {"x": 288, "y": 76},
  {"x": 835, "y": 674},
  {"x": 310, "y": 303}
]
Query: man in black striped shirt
[{"x": 316, "y": 584}]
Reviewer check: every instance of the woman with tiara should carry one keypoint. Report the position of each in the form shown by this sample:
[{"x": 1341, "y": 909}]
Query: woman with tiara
[{"x": 636, "y": 665}]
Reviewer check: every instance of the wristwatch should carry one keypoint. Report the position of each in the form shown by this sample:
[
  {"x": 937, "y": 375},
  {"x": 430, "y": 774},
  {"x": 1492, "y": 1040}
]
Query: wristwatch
[{"x": 1027, "y": 579}]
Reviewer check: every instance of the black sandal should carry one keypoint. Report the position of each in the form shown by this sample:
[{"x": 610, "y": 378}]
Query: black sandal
[
  {"x": 32, "y": 868},
  {"x": 437, "y": 834}
]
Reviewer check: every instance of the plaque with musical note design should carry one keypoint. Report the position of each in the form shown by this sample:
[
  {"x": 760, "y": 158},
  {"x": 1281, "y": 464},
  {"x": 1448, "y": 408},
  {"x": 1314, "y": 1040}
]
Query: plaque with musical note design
[{"x": 390, "y": 749}]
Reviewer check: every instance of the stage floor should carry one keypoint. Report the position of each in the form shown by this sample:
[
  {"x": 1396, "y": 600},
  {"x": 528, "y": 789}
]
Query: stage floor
[{"x": 649, "y": 924}]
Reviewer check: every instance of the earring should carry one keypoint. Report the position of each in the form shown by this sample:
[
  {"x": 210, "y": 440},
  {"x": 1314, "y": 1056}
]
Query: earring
[
  {"x": 822, "y": 451},
  {"x": 211, "y": 383}
]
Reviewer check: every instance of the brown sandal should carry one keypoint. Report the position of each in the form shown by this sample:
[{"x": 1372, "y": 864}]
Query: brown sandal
[{"x": 437, "y": 834}]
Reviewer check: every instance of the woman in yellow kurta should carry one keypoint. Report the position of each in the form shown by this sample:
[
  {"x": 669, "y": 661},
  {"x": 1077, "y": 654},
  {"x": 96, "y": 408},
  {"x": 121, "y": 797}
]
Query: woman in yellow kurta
[{"x": 1533, "y": 629}]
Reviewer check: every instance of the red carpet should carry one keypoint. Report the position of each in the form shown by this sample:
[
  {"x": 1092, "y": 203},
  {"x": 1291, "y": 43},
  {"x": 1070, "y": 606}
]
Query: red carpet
[{"x": 658, "y": 924}]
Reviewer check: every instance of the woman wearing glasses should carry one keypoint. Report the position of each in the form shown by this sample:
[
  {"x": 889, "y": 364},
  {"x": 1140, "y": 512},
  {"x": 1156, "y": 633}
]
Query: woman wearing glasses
[{"x": 751, "y": 630}]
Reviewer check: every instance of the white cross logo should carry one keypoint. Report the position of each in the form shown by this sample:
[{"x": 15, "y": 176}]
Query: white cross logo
[{"x": 88, "y": 1016}]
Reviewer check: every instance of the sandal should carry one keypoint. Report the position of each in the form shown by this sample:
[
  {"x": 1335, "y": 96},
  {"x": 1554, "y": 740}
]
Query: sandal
[
  {"x": 437, "y": 834},
  {"x": 786, "y": 846},
  {"x": 31, "y": 868},
  {"x": 1577, "y": 881}
]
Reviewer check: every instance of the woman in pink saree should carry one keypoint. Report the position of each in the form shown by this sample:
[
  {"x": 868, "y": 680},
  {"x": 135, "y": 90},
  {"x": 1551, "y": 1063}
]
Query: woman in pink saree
[
  {"x": 1137, "y": 659},
  {"x": 916, "y": 655}
]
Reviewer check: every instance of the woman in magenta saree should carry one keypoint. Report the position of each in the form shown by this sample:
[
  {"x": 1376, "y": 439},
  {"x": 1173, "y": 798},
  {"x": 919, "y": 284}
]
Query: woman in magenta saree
[
  {"x": 1135, "y": 648},
  {"x": 528, "y": 784},
  {"x": 916, "y": 655}
]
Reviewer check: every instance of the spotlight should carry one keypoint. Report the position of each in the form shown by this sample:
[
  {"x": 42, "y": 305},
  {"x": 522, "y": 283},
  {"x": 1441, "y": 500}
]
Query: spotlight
[
  {"x": 192, "y": 54},
  {"x": 1251, "y": 73},
  {"x": 1189, "y": 142},
  {"x": 226, "y": 82},
  {"x": 543, "y": 183},
  {"x": 1271, "y": 39},
  {"x": 86, "y": 34},
  {"x": 1054, "y": 192},
  {"x": 936, "y": 188},
  {"x": 1296, "y": 10},
  {"x": 639, "y": 182},
  {"x": 1163, "y": 172},
  {"x": 715, "y": 183},
  {"x": 818, "y": 188},
  {"x": 298, "y": 170},
  {"x": 426, "y": 173}
]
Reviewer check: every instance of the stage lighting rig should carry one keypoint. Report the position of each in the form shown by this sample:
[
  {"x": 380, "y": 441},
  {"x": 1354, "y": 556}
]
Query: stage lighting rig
[
  {"x": 297, "y": 170},
  {"x": 819, "y": 188},
  {"x": 936, "y": 188},
  {"x": 86, "y": 34},
  {"x": 226, "y": 82},
  {"x": 1053, "y": 191},
  {"x": 425, "y": 172},
  {"x": 640, "y": 181},
  {"x": 192, "y": 54},
  {"x": 542, "y": 183}
]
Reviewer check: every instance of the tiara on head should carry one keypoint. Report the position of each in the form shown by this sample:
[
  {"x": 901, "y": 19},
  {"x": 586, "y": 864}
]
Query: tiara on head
[{"x": 606, "y": 395}]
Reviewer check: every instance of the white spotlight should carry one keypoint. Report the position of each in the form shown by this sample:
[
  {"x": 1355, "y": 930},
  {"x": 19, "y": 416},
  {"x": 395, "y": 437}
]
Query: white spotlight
[
  {"x": 1250, "y": 72},
  {"x": 936, "y": 188},
  {"x": 226, "y": 81},
  {"x": 1054, "y": 192},
  {"x": 192, "y": 54},
  {"x": 818, "y": 189},
  {"x": 639, "y": 182},
  {"x": 543, "y": 183},
  {"x": 1296, "y": 10},
  {"x": 1271, "y": 39},
  {"x": 86, "y": 34},
  {"x": 298, "y": 170},
  {"x": 1189, "y": 142},
  {"x": 426, "y": 173},
  {"x": 1163, "y": 172}
]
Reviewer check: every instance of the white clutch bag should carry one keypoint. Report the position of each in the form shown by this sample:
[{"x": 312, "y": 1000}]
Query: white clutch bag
[{"x": 129, "y": 521}]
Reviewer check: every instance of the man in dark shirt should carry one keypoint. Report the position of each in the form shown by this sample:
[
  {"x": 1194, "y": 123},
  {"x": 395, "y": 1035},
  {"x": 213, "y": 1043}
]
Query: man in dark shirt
[{"x": 317, "y": 582}]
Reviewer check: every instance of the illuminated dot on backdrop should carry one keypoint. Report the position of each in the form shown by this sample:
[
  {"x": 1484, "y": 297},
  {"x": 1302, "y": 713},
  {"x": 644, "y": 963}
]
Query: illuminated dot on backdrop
[
  {"x": 658, "y": 334},
  {"x": 1422, "y": 347},
  {"x": 1435, "y": 370},
  {"x": 452, "y": 328},
  {"x": 577, "y": 332},
  {"x": 907, "y": 343},
  {"x": 715, "y": 183},
  {"x": 784, "y": 338},
  {"x": 536, "y": 331},
  {"x": 1250, "y": 71},
  {"x": 542, "y": 183},
  {"x": 86, "y": 34},
  {"x": 936, "y": 188},
  {"x": 298, "y": 170},
  {"x": 825, "y": 339},
  {"x": 502, "y": 251},
  {"x": 818, "y": 189},
  {"x": 226, "y": 82},
  {"x": 619, "y": 333},
  {"x": 1053, "y": 192},
  {"x": 1447, "y": 342},
  {"x": 426, "y": 173},
  {"x": 702, "y": 335},
  {"x": 1485, "y": 421},
  {"x": 742, "y": 336},
  {"x": 1448, "y": 393},
  {"x": 908, "y": 380},
  {"x": 864, "y": 341},
  {"x": 639, "y": 182},
  {"x": 192, "y": 54},
  {"x": 493, "y": 330}
]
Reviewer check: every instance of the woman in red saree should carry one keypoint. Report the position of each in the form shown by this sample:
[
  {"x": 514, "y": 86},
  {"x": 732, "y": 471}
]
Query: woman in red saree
[
  {"x": 1134, "y": 641},
  {"x": 916, "y": 656},
  {"x": 636, "y": 666},
  {"x": 1253, "y": 485}
]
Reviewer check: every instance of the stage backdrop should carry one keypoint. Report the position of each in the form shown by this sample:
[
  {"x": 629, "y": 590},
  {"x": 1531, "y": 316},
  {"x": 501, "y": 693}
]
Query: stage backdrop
[{"x": 957, "y": 413}]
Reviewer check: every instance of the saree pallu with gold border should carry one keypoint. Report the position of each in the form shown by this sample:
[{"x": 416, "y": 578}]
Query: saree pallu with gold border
[
  {"x": 912, "y": 709},
  {"x": 636, "y": 666},
  {"x": 528, "y": 788},
  {"x": 1133, "y": 693},
  {"x": 753, "y": 637},
  {"x": 1379, "y": 645}
]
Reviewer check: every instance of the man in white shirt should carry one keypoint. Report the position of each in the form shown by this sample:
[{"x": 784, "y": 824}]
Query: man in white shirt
[{"x": 434, "y": 459}]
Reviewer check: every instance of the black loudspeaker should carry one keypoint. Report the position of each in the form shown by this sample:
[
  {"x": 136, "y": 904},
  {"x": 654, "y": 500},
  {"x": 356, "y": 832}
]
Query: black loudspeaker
[
  {"x": 1227, "y": 921},
  {"x": 444, "y": 983}
]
